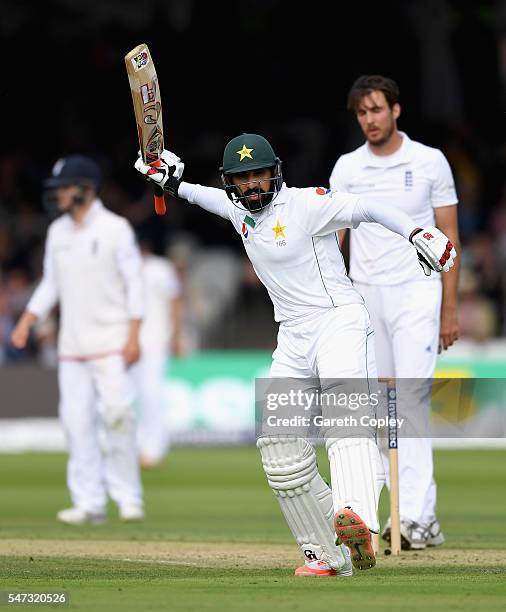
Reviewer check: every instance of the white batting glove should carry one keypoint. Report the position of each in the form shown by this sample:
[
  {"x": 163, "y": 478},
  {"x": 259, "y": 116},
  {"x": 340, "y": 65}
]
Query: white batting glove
[
  {"x": 166, "y": 175},
  {"x": 434, "y": 249}
]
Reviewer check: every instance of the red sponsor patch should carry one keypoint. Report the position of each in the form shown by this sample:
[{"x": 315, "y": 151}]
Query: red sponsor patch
[
  {"x": 428, "y": 236},
  {"x": 321, "y": 190}
]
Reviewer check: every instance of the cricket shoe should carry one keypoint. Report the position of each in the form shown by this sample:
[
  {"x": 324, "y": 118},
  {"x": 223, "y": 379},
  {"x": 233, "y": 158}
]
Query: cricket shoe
[
  {"x": 352, "y": 531},
  {"x": 78, "y": 516},
  {"x": 322, "y": 568},
  {"x": 413, "y": 535},
  {"x": 131, "y": 513},
  {"x": 435, "y": 536}
]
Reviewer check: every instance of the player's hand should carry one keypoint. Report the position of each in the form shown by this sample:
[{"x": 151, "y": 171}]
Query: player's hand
[
  {"x": 19, "y": 336},
  {"x": 21, "y": 333},
  {"x": 131, "y": 351},
  {"x": 449, "y": 328},
  {"x": 167, "y": 174},
  {"x": 435, "y": 251}
]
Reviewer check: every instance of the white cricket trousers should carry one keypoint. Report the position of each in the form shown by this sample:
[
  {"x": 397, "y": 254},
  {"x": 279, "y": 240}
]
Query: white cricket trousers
[
  {"x": 97, "y": 395},
  {"x": 329, "y": 346},
  {"x": 337, "y": 343},
  {"x": 148, "y": 375},
  {"x": 406, "y": 323}
]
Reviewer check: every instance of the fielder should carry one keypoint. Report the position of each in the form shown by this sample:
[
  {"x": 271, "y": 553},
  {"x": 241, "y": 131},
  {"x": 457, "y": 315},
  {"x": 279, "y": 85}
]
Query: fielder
[
  {"x": 414, "y": 314},
  {"x": 324, "y": 332},
  {"x": 160, "y": 332},
  {"x": 92, "y": 268}
]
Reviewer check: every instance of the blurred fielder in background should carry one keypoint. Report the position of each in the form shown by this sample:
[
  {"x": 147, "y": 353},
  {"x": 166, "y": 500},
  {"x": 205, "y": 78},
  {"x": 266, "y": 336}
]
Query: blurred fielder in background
[
  {"x": 324, "y": 333},
  {"x": 413, "y": 314},
  {"x": 92, "y": 268},
  {"x": 161, "y": 332}
]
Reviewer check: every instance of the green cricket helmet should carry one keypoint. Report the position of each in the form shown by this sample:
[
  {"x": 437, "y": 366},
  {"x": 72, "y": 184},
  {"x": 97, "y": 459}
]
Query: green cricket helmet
[{"x": 243, "y": 154}]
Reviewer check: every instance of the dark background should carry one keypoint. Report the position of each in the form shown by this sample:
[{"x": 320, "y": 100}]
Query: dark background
[{"x": 275, "y": 67}]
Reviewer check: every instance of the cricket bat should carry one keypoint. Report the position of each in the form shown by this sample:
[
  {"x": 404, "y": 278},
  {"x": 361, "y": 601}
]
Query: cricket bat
[{"x": 148, "y": 110}]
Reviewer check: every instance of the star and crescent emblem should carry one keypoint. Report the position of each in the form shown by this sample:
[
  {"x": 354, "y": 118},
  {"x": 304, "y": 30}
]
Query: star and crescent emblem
[
  {"x": 279, "y": 230},
  {"x": 245, "y": 152}
]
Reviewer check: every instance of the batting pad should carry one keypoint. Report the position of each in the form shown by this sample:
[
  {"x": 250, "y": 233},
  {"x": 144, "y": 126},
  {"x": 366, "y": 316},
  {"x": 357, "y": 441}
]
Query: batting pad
[
  {"x": 304, "y": 497},
  {"x": 357, "y": 475}
]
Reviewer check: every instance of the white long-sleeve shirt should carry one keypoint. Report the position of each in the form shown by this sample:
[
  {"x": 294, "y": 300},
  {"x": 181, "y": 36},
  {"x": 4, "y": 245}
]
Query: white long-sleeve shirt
[
  {"x": 93, "y": 270},
  {"x": 293, "y": 246}
]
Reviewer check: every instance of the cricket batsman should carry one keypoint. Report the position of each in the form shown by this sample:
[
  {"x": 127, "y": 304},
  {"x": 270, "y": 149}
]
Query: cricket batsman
[{"x": 325, "y": 332}]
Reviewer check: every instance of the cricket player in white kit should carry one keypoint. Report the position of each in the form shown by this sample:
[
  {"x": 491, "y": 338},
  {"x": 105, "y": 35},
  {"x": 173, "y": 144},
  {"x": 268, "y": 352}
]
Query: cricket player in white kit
[
  {"x": 289, "y": 235},
  {"x": 414, "y": 315},
  {"x": 92, "y": 268},
  {"x": 160, "y": 331}
]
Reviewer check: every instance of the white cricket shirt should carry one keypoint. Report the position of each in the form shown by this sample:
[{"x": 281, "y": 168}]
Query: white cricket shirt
[
  {"x": 415, "y": 179},
  {"x": 161, "y": 286},
  {"x": 292, "y": 243},
  {"x": 94, "y": 271}
]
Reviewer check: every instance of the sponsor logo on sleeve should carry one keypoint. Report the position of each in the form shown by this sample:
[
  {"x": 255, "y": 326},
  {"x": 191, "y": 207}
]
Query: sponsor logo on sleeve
[{"x": 322, "y": 190}]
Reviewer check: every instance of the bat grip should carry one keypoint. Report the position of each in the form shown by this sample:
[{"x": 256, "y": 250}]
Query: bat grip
[{"x": 160, "y": 207}]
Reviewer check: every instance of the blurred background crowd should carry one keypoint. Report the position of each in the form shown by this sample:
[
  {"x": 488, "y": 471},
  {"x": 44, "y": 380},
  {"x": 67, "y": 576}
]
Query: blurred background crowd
[{"x": 284, "y": 71}]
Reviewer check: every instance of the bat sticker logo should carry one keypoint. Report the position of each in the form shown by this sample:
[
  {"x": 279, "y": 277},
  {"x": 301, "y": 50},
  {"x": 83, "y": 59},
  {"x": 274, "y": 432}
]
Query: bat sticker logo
[
  {"x": 141, "y": 60},
  {"x": 151, "y": 107},
  {"x": 153, "y": 119}
]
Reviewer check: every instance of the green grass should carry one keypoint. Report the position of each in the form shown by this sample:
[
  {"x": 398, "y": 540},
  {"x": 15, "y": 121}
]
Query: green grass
[
  {"x": 220, "y": 495},
  {"x": 119, "y": 586}
]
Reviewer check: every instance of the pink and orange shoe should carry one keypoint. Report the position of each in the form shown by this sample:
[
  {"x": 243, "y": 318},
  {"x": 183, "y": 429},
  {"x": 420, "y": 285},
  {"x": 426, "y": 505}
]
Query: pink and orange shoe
[
  {"x": 315, "y": 568},
  {"x": 322, "y": 568},
  {"x": 352, "y": 531}
]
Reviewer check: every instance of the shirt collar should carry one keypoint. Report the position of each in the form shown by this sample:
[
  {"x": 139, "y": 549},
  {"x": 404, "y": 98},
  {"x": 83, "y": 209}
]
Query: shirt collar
[
  {"x": 282, "y": 195},
  {"x": 401, "y": 156},
  {"x": 95, "y": 208}
]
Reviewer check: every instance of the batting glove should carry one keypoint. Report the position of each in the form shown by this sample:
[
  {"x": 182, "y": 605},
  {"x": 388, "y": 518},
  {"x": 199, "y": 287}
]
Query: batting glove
[
  {"x": 435, "y": 251},
  {"x": 166, "y": 174}
]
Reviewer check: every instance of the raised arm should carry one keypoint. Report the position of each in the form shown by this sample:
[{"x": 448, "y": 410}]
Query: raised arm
[
  {"x": 168, "y": 176},
  {"x": 209, "y": 198}
]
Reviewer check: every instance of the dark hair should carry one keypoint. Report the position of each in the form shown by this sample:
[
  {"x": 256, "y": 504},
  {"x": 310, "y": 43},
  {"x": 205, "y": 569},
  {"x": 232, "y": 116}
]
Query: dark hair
[{"x": 366, "y": 84}]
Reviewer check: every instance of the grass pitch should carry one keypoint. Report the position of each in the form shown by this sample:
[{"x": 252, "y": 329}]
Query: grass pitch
[{"x": 215, "y": 539}]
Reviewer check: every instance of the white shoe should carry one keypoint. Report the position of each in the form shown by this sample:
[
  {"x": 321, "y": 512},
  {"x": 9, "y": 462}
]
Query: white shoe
[
  {"x": 131, "y": 513},
  {"x": 78, "y": 516},
  {"x": 435, "y": 535},
  {"x": 413, "y": 535}
]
